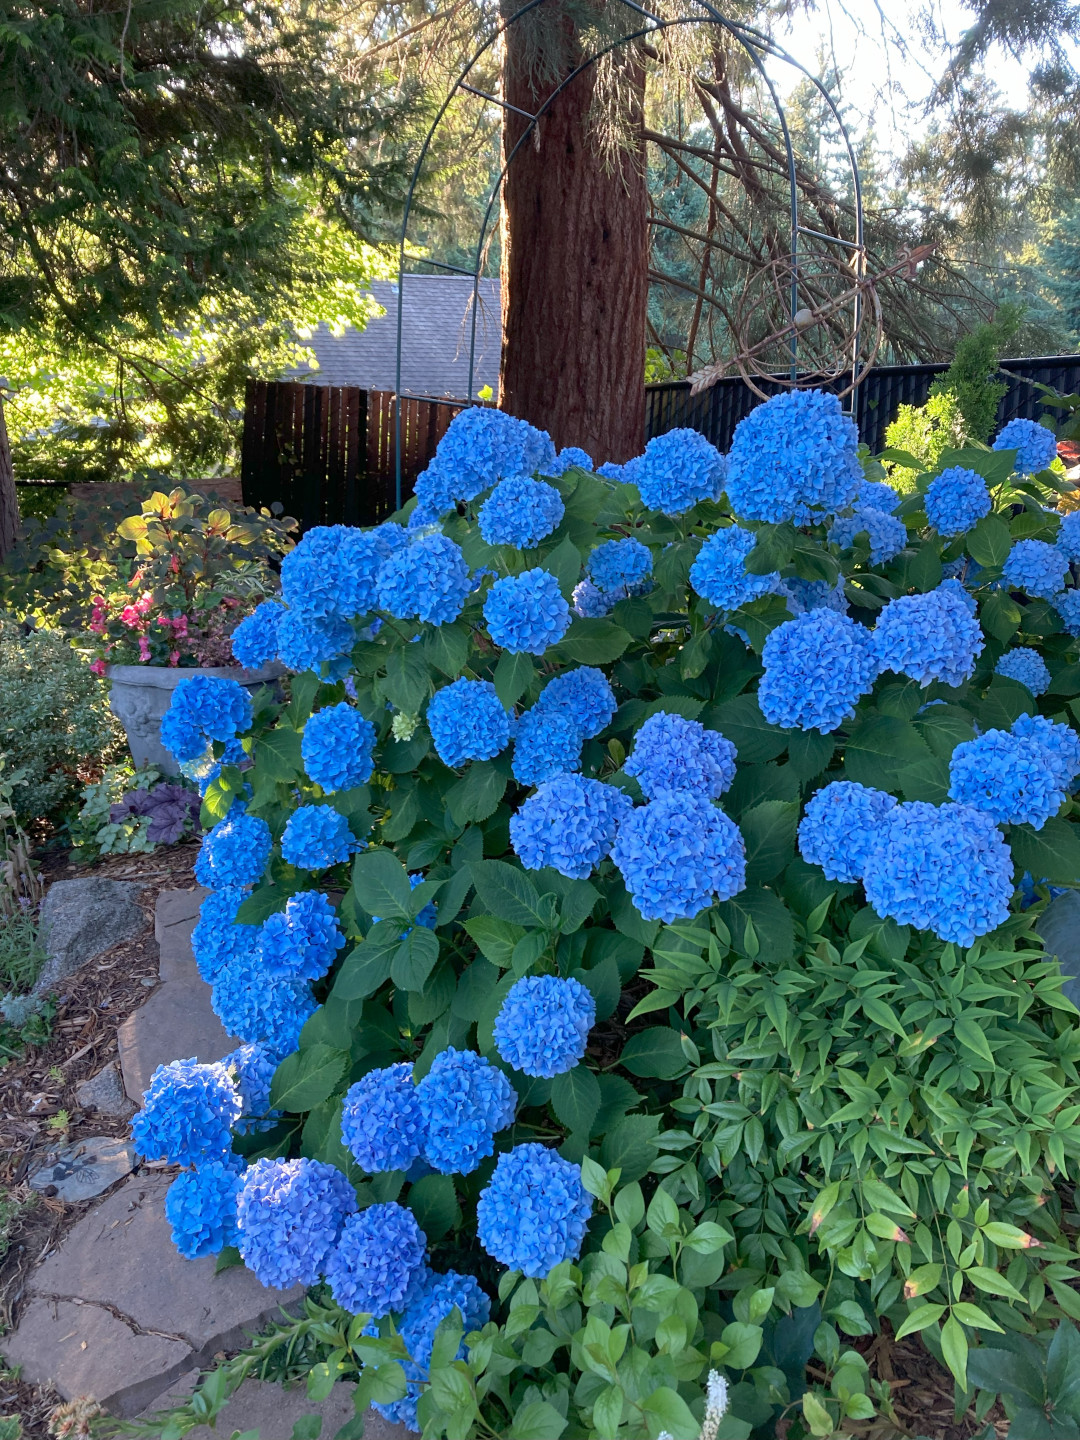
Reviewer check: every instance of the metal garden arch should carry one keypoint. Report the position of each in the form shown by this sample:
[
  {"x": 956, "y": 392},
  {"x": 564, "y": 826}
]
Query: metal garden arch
[{"x": 758, "y": 47}]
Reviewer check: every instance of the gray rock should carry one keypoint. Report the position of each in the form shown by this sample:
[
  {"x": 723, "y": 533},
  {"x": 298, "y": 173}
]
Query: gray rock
[
  {"x": 105, "y": 1092},
  {"x": 85, "y": 1169},
  {"x": 81, "y": 919}
]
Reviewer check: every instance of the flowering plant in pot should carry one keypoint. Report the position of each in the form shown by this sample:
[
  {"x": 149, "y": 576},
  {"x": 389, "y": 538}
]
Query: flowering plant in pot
[{"x": 684, "y": 1015}]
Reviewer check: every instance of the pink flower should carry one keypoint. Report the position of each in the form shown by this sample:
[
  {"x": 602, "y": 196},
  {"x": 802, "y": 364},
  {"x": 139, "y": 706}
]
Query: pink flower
[
  {"x": 98, "y": 666},
  {"x": 180, "y": 627},
  {"x": 174, "y": 657},
  {"x": 130, "y": 617},
  {"x": 144, "y": 649}
]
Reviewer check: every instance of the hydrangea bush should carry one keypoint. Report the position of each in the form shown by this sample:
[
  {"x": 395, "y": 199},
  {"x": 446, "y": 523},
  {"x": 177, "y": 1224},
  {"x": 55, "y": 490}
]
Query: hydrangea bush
[{"x": 636, "y": 903}]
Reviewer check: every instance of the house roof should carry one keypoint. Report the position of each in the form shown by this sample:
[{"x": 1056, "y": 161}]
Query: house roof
[{"x": 436, "y": 330}]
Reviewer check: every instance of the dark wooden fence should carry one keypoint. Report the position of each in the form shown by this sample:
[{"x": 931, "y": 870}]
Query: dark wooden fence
[{"x": 326, "y": 452}]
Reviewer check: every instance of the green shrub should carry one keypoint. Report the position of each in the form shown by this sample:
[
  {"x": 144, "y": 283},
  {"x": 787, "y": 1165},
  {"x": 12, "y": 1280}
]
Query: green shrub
[{"x": 54, "y": 718}]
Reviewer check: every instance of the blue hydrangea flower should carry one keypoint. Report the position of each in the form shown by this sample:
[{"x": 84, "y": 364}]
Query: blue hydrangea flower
[
  {"x": 338, "y": 747},
  {"x": 188, "y": 1114},
  {"x": 200, "y": 1206},
  {"x": 1060, "y": 745},
  {"x": 306, "y": 642},
  {"x": 480, "y": 448},
  {"x": 954, "y": 591},
  {"x": 464, "y": 1100},
  {"x": 300, "y": 942},
  {"x": 584, "y": 695},
  {"x": 673, "y": 753},
  {"x": 428, "y": 580},
  {"x": 569, "y": 824},
  {"x": 1035, "y": 445},
  {"x": 816, "y": 668},
  {"x": 260, "y": 1009},
  {"x": 1036, "y": 567},
  {"x": 547, "y": 743},
  {"x": 289, "y": 1214},
  {"x": 526, "y": 613},
  {"x": 316, "y": 837},
  {"x": 382, "y": 1124},
  {"x": 1067, "y": 604},
  {"x": 591, "y": 603},
  {"x": 204, "y": 708},
  {"x": 217, "y": 939},
  {"x": 877, "y": 495},
  {"x": 543, "y": 1024},
  {"x": 467, "y": 722},
  {"x": 431, "y": 1299},
  {"x": 520, "y": 512},
  {"x": 620, "y": 568},
  {"x": 930, "y": 637},
  {"x": 331, "y": 574},
  {"x": 956, "y": 499},
  {"x": 570, "y": 457},
  {"x": 253, "y": 1068},
  {"x": 1025, "y": 666},
  {"x": 377, "y": 1254},
  {"x": 1068, "y": 536},
  {"x": 610, "y": 470},
  {"x": 887, "y": 534},
  {"x": 534, "y": 1211},
  {"x": 839, "y": 827},
  {"x": 796, "y": 449},
  {"x": 803, "y": 595},
  {"x": 235, "y": 852},
  {"x": 677, "y": 470},
  {"x": 255, "y": 640},
  {"x": 940, "y": 868},
  {"x": 719, "y": 573},
  {"x": 1007, "y": 777},
  {"x": 677, "y": 854}
]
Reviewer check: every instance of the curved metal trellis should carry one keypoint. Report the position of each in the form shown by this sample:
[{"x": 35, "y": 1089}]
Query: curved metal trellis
[{"x": 758, "y": 48}]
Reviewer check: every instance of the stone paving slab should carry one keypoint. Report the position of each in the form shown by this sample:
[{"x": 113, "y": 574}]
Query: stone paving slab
[
  {"x": 176, "y": 1023},
  {"x": 176, "y": 907},
  {"x": 273, "y": 1411}
]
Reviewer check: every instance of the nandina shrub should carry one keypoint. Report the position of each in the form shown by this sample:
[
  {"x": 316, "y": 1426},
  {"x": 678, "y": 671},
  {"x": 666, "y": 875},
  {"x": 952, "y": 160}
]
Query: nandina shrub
[{"x": 631, "y": 923}]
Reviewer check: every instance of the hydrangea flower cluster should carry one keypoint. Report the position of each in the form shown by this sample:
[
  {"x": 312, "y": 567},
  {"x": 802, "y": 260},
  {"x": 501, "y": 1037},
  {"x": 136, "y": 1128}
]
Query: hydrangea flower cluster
[
  {"x": 467, "y": 722},
  {"x": 188, "y": 1114},
  {"x": 480, "y": 448},
  {"x": 217, "y": 939},
  {"x": 307, "y": 643},
  {"x": 520, "y": 512},
  {"x": 543, "y": 1024},
  {"x": 289, "y": 1215},
  {"x": 1007, "y": 777},
  {"x": 941, "y": 868},
  {"x": 377, "y": 1255},
  {"x": 449, "y": 1119},
  {"x": 568, "y": 458},
  {"x": 200, "y": 1206},
  {"x": 427, "y": 580},
  {"x": 1068, "y": 536},
  {"x": 430, "y": 1300},
  {"x": 1067, "y": 605},
  {"x": 300, "y": 942},
  {"x": 839, "y": 825},
  {"x": 526, "y": 613},
  {"x": 546, "y": 743},
  {"x": 255, "y": 640},
  {"x": 590, "y": 602},
  {"x": 1036, "y": 446},
  {"x": 1060, "y": 745},
  {"x": 202, "y": 709},
  {"x": 930, "y": 637},
  {"x": 719, "y": 573},
  {"x": 252, "y": 1067},
  {"x": 316, "y": 837},
  {"x": 1037, "y": 568},
  {"x": 620, "y": 568},
  {"x": 673, "y": 753},
  {"x": 534, "y": 1212},
  {"x": 584, "y": 695},
  {"x": 258, "y": 1008},
  {"x": 816, "y": 668},
  {"x": 797, "y": 449},
  {"x": 1025, "y": 666},
  {"x": 887, "y": 534},
  {"x": 337, "y": 747},
  {"x": 677, "y": 854},
  {"x": 235, "y": 852},
  {"x": 331, "y": 574},
  {"x": 956, "y": 500},
  {"x": 677, "y": 470},
  {"x": 803, "y": 595},
  {"x": 569, "y": 824},
  {"x": 877, "y": 495}
]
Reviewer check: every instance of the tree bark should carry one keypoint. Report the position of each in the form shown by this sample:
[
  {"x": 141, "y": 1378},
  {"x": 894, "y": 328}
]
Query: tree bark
[
  {"x": 9, "y": 501},
  {"x": 574, "y": 262}
]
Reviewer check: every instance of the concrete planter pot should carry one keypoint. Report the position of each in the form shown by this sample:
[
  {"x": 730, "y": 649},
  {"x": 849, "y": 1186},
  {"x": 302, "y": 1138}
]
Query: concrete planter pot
[{"x": 140, "y": 695}]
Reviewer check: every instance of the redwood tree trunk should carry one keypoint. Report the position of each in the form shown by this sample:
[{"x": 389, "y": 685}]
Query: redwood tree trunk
[
  {"x": 574, "y": 266},
  {"x": 9, "y": 503}
]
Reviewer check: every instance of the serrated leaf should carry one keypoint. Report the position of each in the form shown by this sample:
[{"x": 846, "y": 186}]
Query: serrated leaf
[
  {"x": 512, "y": 677},
  {"x": 496, "y": 939},
  {"x": 508, "y": 893},
  {"x": 447, "y": 648},
  {"x": 656, "y": 1051},
  {"x": 277, "y": 754},
  {"x": 307, "y": 1077},
  {"x": 575, "y": 1098},
  {"x": 594, "y": 642},
  {"x": 367, "y": 967},
  {"x": 989, "y": 542},
  {"x": 768, "y": 831},
  {"x": 1052, "y": 853},
  {"x": 476, "y": 796},
  {"x": 433, "y": 1201},
  {"x": 564, "y": 562},
  {"x": 415, "y": 958},
  {"x": 381, "y": 884}
]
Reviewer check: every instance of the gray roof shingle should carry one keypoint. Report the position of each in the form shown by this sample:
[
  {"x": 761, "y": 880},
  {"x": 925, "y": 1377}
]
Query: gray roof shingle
[{"x": 436, "y": 326}]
